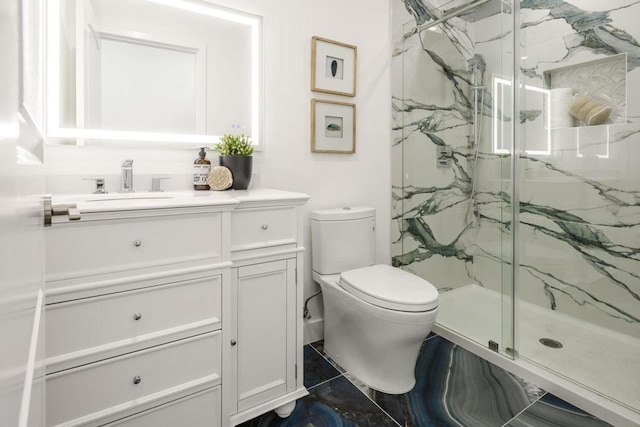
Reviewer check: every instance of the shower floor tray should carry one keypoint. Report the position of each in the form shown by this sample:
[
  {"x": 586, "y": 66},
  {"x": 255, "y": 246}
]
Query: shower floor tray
[{"x": 600, "y": 359}]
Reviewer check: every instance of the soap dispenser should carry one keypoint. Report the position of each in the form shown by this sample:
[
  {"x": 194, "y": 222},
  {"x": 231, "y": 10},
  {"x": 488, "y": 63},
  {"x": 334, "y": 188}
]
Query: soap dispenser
[{"x": 201, "y": 168}]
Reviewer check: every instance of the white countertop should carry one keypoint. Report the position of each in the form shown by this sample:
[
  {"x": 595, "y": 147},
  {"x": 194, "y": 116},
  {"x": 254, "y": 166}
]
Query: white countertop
[{"x": 115, "y": 202}]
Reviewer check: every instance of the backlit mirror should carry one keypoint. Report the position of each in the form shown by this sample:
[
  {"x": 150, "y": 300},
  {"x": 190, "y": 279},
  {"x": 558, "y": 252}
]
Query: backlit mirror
[{"x": 182, "y": 71}]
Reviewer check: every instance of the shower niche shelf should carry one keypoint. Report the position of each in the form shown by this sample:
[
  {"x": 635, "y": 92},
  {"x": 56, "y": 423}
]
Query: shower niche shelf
[{"x": 604, "y": 80}]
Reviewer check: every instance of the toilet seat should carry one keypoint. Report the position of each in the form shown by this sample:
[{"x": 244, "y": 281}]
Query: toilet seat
[{"x": 391, "y": 288}]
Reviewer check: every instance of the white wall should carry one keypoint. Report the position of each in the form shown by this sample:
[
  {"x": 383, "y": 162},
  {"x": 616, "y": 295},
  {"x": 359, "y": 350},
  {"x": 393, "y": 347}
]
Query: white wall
[{"x": 331, "y": 180}]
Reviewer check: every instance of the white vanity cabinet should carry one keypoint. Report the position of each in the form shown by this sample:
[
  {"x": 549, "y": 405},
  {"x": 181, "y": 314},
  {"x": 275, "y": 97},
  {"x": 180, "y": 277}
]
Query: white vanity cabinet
[
  {"x": 134, "y": 316},
  {"x": 168, "y": 315},
  {"x": 265, "y": 334}
]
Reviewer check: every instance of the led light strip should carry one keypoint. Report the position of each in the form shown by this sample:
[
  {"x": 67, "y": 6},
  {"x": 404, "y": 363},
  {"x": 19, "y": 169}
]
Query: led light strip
[{"x": 53, "y": 80}]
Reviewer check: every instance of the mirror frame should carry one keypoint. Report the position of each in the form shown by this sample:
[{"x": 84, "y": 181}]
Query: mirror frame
[{"x": 55, "y": 134}]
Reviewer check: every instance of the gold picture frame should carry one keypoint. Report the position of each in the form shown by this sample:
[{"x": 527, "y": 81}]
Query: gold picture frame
[
  {"x": 333, "y": 67},
  {"x": 333, "y": 127}
]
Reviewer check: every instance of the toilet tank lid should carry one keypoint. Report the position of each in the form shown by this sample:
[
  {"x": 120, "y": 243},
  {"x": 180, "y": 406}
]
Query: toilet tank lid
[
  {"x": 391, "y": 288},
  {"x": 341, "y": 214}
]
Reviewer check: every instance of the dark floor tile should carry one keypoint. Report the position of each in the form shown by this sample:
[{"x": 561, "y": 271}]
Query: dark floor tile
[
  {"x": 456, "y": 387},
  {"x": 335, "y": 403},
  {"x": 319, "y": 346},
  {"x": 371, "y": 393},
  {"x": 316, "y": 368},
  {"x": 550, "y": 411},
  {"x": 307, "y": 412},
  {"x": 453, "y": 388}
]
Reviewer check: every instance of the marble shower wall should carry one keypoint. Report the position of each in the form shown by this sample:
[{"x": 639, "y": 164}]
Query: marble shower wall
[
  {"x": 435, "y": 230},
  {"x": 580, "y": 201},
  {"x": 579, "y": 187}
]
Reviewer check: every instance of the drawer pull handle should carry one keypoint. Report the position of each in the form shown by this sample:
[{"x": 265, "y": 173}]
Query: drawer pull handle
[
  {"x": 137, "y": 316},
  {"x": 137, "y": 243},
  {"x": 265, "y": 226},
  {"x": 137, "y": 380},
  {"x": 233, "y": 343}
]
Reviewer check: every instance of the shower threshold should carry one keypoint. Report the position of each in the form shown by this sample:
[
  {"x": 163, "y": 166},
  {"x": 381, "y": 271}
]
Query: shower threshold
[{"x": 595, "y": 368}]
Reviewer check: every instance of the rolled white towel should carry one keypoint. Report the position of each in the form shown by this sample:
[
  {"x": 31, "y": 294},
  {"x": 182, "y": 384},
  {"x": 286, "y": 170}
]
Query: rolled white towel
[
  {"x": 560, "y": 101},
  {"x": 588, "y": 111}
]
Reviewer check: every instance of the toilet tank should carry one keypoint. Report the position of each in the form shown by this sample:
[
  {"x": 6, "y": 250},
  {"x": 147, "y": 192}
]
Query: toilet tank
[{"x": 342, "y": 239}]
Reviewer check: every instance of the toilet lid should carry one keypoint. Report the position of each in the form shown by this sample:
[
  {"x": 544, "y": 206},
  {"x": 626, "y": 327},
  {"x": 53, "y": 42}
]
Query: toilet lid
[{"x": 391, "y": 288}]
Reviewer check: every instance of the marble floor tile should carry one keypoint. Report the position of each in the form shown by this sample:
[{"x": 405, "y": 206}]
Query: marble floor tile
[
  {"x": 334, "y": 403},
  {"x": 550, "y": 411},
  {"x": 316, "y": 368},
  {"x": 455, "y": 387}
]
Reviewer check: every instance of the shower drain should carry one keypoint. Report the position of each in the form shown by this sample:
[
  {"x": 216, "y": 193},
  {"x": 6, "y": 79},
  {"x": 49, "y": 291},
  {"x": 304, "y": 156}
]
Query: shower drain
[{"x": 550, "y": 343}]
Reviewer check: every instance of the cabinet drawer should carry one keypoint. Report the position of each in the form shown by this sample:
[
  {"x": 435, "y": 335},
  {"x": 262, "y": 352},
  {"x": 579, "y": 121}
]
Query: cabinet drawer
[
  {"x": 113, "y": 385},
  {"x": 97, "y": 247},
  {"x": 114, "y": 319},
  {"x": 198, "y": 410},
  {"x": 256, "y": 228}
]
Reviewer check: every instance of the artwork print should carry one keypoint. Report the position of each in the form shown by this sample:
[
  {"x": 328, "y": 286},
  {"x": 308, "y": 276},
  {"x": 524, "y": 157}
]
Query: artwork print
[
  {"x": 333, "y": 67},
  {"x": 333, "y": 127}
]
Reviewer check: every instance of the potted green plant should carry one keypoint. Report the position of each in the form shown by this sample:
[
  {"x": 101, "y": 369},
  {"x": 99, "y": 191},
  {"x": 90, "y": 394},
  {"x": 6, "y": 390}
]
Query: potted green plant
[{"x": 236, "y": 154}]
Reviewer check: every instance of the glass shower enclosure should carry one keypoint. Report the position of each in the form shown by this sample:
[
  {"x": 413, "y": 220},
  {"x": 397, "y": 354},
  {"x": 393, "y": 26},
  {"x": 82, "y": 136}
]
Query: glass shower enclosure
[{"x": 516, "y": 188}]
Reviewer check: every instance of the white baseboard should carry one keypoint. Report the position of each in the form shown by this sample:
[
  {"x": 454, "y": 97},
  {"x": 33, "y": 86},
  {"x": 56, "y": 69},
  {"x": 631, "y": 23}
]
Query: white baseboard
[{"x": 313, "y": 330}]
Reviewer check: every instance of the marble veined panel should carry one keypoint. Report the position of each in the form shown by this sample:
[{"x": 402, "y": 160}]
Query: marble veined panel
[
  {"x": 567, "y": 197},
  {"x": 443, "y": 272},
  {"x": 537, "y": 28},
  {"x": 492, "y": 254},
  {"x": 587, "y": 271},
  {"x": 455, "y": 28},
  {"x": 592, "y": 31},
  {"x": 429, "y": 235},
  {"x": 434, "y": 110},
  {"x": 600, "y": 6},
  {"x": 434, "y": 224}
]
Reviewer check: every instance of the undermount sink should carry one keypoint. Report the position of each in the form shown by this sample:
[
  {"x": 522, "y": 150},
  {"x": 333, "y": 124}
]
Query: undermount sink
[{"x": 107, "y": 197}]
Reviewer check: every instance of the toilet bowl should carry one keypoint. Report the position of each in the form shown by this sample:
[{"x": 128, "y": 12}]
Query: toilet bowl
[{"x": 376, "y": 317}]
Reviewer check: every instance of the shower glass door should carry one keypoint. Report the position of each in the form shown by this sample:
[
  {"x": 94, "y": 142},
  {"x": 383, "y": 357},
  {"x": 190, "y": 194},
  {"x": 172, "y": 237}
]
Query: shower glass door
[
  {"x": 452, "y": 195},
  {"x": 579, "y": 216},
  {"x": 527, "y": 178}
]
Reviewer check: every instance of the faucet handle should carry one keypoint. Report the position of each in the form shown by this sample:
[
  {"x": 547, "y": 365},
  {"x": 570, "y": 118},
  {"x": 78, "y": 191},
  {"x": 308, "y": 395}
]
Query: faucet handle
[
  {"x": 155, "y": 183},
  {"x": 127, "y": 177},
  {"x": 99, "y": 185}
]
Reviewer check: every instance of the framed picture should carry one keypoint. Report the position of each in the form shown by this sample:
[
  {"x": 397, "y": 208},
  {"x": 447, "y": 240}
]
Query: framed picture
[
  {"x": 333, "y": 67},
  {"x": 333, "y": 127}
]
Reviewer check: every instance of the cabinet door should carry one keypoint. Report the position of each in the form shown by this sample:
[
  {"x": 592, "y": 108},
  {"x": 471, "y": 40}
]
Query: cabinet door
[{"x": 266, "y": 331}]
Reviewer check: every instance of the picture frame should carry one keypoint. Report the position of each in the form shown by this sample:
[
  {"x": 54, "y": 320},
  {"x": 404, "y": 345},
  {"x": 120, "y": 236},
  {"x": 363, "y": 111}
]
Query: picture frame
[
  {"x": 333, "y": 67},
  {"x": 333, "y": 127}
]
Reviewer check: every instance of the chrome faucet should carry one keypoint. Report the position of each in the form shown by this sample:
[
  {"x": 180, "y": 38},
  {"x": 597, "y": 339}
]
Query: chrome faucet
[{"x": 127, "y": 177}]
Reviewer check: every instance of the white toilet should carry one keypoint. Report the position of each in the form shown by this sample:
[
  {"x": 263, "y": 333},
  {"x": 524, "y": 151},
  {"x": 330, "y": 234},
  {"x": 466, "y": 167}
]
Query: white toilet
[{"x": 375, "y": 316}]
